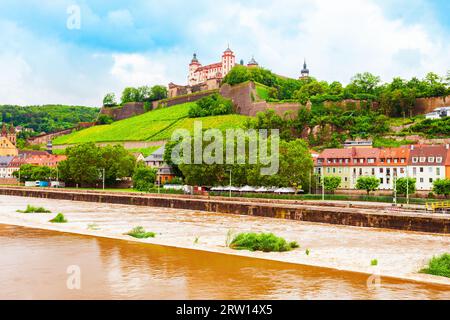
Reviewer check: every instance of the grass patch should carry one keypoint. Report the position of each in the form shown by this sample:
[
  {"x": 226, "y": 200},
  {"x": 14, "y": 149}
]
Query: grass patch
[
  {"x": 262, "y": 91},
  {"x": 31, "y": 209},
  {"x": 59, "y": 219},
  {"x": 266, "y": 242},
  {"x": 138, "y": 128},
  {"x": 390, "y": 143},
  {"x": 439, "y": 266},
  {"x": 140, "y": 233}
]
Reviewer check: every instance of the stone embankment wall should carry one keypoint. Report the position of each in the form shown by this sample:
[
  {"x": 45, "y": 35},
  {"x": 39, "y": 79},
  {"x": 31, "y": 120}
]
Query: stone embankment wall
[
  {"x": 182, "y": 99},
  {"x": 244, "y": 97},
  {"x": 311, "y": 212},
  {"x": 128, "y": 110},
  {"x": 426, "y": 105}
]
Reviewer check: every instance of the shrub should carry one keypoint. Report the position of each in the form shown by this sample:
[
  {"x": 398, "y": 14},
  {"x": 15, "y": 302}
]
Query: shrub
[
  {"x": 439, "y": 266},
  {"x": 374, "y": 262},
  {"x": 213, "y": 105},
  {"x": 144, "y": 178},
  {"x": 140, "y": 233},
  {"x": 31, "y": 209},
  {"x": 266, "y": 242},
  {"x": 59, "y": 219}
]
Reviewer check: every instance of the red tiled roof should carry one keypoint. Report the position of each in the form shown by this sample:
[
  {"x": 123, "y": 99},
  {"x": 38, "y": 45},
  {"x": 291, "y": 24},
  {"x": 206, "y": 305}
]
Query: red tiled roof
[{"x": 428, "y": 151}]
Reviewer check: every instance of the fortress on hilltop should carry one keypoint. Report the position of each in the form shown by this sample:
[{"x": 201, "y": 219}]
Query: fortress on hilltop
[{"x": 209, "y": 77}]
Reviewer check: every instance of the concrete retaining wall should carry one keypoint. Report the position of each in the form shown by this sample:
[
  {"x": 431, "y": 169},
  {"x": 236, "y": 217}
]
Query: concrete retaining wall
[{"x": 330, "y": 215}]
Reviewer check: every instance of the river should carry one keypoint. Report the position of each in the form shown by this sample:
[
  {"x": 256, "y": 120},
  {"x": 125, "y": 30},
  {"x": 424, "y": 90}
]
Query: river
[{"x": 34, "y": 265}]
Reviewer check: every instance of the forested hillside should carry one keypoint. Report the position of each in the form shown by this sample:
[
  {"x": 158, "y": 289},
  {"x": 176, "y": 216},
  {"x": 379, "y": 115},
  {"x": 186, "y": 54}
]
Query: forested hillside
[{"x": 47, "y": 118}]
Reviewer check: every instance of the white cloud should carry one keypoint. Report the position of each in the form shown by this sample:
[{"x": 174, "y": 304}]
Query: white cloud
[{"x": 338, "y": 39}]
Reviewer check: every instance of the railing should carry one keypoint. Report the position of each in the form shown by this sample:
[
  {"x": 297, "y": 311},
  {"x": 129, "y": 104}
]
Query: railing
[{"x": 438, "y": 206}]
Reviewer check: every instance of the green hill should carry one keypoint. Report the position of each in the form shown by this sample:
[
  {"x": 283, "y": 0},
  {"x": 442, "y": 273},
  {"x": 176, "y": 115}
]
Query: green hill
[{"x": 151, "y": 126}]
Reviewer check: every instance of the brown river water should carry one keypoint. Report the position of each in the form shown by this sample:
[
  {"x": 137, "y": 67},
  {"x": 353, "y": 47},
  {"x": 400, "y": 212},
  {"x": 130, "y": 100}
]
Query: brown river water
[{"x": 34, "y": 265}]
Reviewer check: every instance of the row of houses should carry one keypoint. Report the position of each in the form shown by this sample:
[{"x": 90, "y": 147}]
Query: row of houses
[
  {"x": 10, "y": 164},
  {"x": 425, "y": 163}
]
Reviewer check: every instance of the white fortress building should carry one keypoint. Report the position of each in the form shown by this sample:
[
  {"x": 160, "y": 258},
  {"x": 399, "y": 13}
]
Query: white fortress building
[{"x": 199, "y": 74}]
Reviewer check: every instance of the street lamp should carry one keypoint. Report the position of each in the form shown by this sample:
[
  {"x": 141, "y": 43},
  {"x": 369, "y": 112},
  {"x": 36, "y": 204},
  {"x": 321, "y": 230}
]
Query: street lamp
[{"x": 230, "y": 180}]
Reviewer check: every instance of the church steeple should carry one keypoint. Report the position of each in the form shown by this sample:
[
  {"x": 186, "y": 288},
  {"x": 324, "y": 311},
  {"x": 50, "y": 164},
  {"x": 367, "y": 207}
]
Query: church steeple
[{"x": 305, "y": 70}]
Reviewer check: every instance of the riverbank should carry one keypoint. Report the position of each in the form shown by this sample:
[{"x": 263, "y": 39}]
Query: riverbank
[
  {"x": 399, "y": 254},
  {"x": 369, "y": 215}
]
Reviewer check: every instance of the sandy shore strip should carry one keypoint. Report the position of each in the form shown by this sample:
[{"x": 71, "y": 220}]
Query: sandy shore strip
[{"x": 400, "y": 254}]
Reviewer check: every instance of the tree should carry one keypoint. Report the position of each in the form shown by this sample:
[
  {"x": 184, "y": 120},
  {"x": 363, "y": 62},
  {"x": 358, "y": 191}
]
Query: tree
[
  {"x": 364, "y": 83},
  {"x": 118, "y": 163},
  {"x": 144, "y": 178},
  {"x": 25, "y": 172},
  {"x": 82, "y": 165},
  {"x": 158, "y": 93},
  {"x": 43, "y": 173},
  {"x": 405, "y": 186},
  {"x": 85, "y": 164},
  {"x": 367, "y": 183},
  {"x": 442, "y": 187},
  {"x": 130, "y": 94},
  {"x": 331, "y": 183},
  {"x": 109, "y": 100}
]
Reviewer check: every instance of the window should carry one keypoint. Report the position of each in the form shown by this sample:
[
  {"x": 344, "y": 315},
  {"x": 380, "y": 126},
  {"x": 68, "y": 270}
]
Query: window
[
  {"x": 346, "y": 160},
  {"x": 360, "y": 172},
  {"x": 361, "y": 160},
  {"x": 382, "y": 160},
  {"x": 373, "y": 171},
  {"x": 431, "y": 159},
  {"x": 402, "y": 160},
  {"x": 334, "y": 170},
  {"x": 430, "y": 169},
  {"x": 422, "y": 159},
  {"x": 371, "y": 161},
  {"x": 421, "y": 170},
  {"x": 414, "y": 171},
  {"x": 439, "y": 159},
  {"x": 345, "y": 179},
  {"x": 388, "y": 180},
  {"x": 388, "y": 160},
  {"x": 438, "y": 171},
  {"x": 328, "y": 170},
  {"x": 421, "y": 180},
  {"x": 381, "y": 180},
  {"x": 431, "y": 180},
  {"x": 381, "y": 170},
  {"x": 414, "y": 160}
]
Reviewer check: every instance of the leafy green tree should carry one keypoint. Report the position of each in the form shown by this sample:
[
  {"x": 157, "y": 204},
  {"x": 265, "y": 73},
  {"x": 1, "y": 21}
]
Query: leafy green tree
[
  {"x": 405, "y": 186},
  {"x": 335, "y": 88},
  {"x": 144, "y": 178},
  {"x": 25, "y": 172},
  {"x": 82, "y": 166},
  {"x": 367, "y": 183},
  {"x": 158, "y": 93},
  {"x": 109, "y": 100},
  {"x": 130, "y": 94},
  {"x": 364, "y": 83},
  {"x": 442, "y": 187},
  {"x": 118, "y": 163},
  {"x": 43, "y": 173},
  {"x": 332, "y": 183}
]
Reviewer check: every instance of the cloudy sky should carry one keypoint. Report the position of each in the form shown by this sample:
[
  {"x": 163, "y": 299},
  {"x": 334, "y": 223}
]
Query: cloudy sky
[{"x": 48, "y": 55}]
